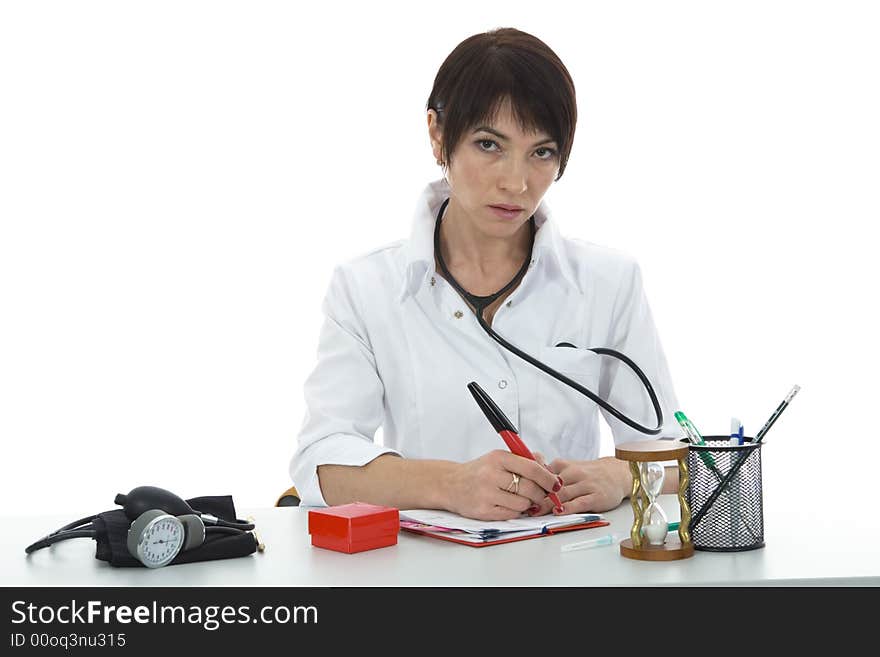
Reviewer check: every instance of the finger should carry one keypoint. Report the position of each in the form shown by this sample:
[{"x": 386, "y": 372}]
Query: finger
[
  {"x": 545, "y": 506},
  {"x": 539, "y": 458},
  {"x": 574, "y": 491},
  {"x": 556, "y": 500},
  {"x": 504, "y": 513},
  {"x": 492, "y": 512},
  {"x": 582, "y": 504},
  {"x": 525, "y": 489},
  {"x": 531, "y": 491},
  {"x": 512, "y": 501},
  {"x": 535, "y": 471},
  {"x": 558, "y": 465},
  {"x": 569, "y": 472}
]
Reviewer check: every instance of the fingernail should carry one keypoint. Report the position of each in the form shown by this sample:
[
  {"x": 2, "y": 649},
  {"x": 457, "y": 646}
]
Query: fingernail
[
  {"x": 559, "y": 509},
  {"x": 557, "y": 487},
  {"x": 533, "y": 509}
]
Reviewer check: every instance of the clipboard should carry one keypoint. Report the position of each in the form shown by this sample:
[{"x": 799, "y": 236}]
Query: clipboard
[{"x": 452, "y": 536}]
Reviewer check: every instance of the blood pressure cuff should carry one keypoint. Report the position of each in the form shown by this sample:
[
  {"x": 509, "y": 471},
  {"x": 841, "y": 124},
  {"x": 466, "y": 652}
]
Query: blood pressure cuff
[{"x": 112, "y": 536}]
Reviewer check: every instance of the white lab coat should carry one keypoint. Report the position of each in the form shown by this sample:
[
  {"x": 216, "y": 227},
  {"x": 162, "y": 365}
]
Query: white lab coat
[{"x": 398, "y": 347}]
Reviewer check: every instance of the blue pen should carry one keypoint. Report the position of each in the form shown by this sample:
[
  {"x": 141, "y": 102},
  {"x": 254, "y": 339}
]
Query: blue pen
[{"x": 736, "y": 431}]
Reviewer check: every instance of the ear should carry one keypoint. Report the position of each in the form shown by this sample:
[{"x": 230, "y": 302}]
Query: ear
[{"x": 435, "y": 134}]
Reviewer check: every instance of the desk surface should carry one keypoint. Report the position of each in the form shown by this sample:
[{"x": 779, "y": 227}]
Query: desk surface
[{"x": 825, "y": 555}]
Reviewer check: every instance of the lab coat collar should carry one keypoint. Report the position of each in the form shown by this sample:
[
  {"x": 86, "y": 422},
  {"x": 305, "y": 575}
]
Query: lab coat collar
[{"x": 418, "y": 251}]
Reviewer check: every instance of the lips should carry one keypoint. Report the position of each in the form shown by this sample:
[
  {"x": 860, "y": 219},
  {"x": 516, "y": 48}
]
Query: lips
[
  {"x": 504, "y": 206},
  {"x": 503, "y": 213}
]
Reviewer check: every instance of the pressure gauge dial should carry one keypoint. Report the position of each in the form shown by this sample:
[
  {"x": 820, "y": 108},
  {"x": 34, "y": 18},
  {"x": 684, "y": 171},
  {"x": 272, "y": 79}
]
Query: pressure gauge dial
[{"x": 155, "y": 538}]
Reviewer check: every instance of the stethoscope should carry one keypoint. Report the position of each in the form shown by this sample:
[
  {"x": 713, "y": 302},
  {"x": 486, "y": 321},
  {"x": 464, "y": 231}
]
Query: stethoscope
[{"x": 481, "y": 303}]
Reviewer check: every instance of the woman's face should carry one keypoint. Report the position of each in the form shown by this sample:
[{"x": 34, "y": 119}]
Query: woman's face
[{"x": 498, "y": 164}]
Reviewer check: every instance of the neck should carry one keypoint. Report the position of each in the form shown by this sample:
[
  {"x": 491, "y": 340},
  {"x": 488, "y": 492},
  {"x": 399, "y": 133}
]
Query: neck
[{"x": 464, "y": 247}]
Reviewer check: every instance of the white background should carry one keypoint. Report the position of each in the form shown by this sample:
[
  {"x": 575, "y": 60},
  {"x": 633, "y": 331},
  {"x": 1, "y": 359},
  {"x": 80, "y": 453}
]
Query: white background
[{"x": 178, "y": 179}]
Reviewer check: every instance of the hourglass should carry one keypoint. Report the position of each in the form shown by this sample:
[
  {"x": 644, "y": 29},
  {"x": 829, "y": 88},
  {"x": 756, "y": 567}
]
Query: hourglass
[
  {"x": 649, "y": 538},
  {"x": 654, "y": 527}
]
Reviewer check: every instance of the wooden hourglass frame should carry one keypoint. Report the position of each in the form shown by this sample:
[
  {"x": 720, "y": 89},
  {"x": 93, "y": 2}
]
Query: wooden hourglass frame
[{"x": 676, "y": 546}]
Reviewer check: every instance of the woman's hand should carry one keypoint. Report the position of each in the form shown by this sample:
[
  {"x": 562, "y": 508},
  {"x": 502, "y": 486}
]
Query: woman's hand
[
  {"x": 590, "y": 486},
  {"x": 485, "y": 488}
]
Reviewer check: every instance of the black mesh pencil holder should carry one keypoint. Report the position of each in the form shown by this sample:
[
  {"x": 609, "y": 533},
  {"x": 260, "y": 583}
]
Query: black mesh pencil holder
[{"x": 725, "y": 495}]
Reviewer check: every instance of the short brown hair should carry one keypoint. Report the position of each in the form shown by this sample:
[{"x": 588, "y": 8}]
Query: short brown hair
[{"x": 486, "y": 69}]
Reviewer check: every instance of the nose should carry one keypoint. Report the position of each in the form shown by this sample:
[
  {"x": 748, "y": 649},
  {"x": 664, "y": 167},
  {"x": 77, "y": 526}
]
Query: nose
[{"x": 514, "y": 176}]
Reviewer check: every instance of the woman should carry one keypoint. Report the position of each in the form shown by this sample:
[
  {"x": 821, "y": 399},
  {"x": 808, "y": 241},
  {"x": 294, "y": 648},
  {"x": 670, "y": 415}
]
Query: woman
[{"x": 400, "y": 344}]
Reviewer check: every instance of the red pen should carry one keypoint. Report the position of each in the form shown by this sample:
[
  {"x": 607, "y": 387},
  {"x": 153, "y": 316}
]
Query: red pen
[{"x": 505, "y": 429}]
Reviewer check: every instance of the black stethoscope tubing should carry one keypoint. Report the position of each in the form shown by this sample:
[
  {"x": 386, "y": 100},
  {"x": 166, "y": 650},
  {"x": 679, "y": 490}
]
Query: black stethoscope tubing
[{"x": 480, "y": 303}]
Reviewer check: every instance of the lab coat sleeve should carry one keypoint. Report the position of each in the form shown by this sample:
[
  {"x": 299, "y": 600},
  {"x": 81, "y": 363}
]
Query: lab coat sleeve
[
  {"x": 343, "y": 395},
  {"x": 635, "y": 335}
]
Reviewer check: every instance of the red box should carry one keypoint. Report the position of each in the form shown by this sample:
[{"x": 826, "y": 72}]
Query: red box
[{"x": 354, "y": 527}]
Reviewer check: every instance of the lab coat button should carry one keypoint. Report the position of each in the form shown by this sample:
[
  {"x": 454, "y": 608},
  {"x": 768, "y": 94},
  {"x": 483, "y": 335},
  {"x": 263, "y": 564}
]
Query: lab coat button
[
  {"x": 502, "y": 384},
  {"x": 458, "y": 314}
]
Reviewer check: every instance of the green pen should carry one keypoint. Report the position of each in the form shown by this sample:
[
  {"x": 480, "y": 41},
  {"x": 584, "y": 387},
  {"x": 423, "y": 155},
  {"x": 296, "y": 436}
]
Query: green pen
[{"x": 695, "y": 438}]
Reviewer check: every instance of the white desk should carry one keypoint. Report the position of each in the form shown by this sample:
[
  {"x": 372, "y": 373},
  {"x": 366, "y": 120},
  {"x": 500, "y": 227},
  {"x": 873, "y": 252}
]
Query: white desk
[{"x": 789, "y": 558}]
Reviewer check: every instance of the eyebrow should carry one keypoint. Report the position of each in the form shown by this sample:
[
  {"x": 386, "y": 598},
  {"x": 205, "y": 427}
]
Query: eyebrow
[{"x": 485, "y": 128}]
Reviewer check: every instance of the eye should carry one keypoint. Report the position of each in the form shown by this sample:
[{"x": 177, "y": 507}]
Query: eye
[{"x": 550, "y": 153}]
